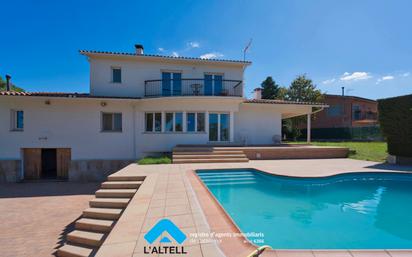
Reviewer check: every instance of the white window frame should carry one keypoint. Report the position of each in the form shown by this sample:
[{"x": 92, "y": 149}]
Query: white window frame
[
  {"x": 112, "y": 68},
  {"x": 218, "y": 126},
  {"x": 213, "y": 79},
  {"x": 154, "y": 122},
  {"x": 174, "y": 122},
  {"x": 13, "y": 120},
  {"x": 172, "y": 82},
  {"x": 112, "y": 130},
  {"x": 196, "y": 117}
]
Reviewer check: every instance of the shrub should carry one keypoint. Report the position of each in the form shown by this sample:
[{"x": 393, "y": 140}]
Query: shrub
[
  {"x": 154, "y": 160},
  {"x": 395, "y": 117}
]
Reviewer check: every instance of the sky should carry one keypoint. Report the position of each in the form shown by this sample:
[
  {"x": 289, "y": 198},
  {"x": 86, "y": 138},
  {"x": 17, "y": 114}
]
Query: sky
[{"x": 362, "y": 45}]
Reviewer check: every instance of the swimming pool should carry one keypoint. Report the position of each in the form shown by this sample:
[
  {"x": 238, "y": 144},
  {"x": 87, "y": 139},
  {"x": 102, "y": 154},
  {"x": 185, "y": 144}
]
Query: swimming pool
[{"x": 347, "y": 211}]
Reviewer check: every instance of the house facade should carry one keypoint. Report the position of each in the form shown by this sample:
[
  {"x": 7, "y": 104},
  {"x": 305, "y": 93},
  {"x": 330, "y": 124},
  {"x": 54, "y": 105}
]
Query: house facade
[{"x": 138, "y": 105}]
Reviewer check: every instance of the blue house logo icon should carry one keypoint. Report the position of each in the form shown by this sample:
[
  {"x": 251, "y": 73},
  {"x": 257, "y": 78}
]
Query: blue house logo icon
[{"x": 165, "y": 225}]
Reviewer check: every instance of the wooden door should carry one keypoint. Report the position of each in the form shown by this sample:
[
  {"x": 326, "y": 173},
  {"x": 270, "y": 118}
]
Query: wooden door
[
  {"x": 32, "y": 163},
  {"x": 63, "y": 162}
]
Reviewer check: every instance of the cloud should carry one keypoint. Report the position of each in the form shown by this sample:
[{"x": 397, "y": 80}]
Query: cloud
[
  {"x": 328, "y": 81},
  {"x": 406, "y": 74},
  {"x": 194, "y": 44},
  {"x": 175, "y": 54},
  {"x": 213, "y": 55},
  {"x": 388, "y": 77},
  {"x": 357, "y": 75},
  {"x": 161, "y": 49}
]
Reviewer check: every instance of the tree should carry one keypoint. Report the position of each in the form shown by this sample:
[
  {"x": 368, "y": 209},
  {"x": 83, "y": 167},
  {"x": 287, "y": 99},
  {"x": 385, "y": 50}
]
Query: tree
[
  {"x": 301, "y": 89},
  {"x": 3, "y": 86},
  {"x": 270, "y": 90}
]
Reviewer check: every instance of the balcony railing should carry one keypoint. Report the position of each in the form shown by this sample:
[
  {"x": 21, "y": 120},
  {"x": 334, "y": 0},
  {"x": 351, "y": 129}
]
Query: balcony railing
[{"x": 193, "y": 87}]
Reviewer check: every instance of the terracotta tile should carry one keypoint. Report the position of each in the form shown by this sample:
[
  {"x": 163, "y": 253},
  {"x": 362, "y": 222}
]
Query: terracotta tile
[
  {"x": 118, "y": 250},
  {"x": 183, "y": 221},
  {"x": 400, "y": 253},
  {"x": 211, "y": 250},
  {"x": 176, "y": 195},
  {"x": 193, "y": 250},
  {"x": 159, "y": 196},
  {"x": 149, "y": 223},
  {"x": 327, "y": 253},
  {"x": 369, "y": 253},
  {"x": 292, "y": 253},
  {"x": 157, "y": 203},
  {"x": 155, "y": 212},
  {"x": 177, "y": 201},
  {"x": 177, "y": 210}
]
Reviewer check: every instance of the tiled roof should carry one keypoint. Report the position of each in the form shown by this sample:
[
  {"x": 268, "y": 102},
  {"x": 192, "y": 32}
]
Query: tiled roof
[
  {"x": 85, "y": 52},
  {"x": 270, "y": 101},
  {"x": 60, "y": 94},
  {"x": 350, "y": 96}
]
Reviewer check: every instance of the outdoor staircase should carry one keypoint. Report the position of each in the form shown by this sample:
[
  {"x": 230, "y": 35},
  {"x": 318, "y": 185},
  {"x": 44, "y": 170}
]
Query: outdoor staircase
[
  {"x": 207, "y": 154},
  {"x": 98, "y": 220}
]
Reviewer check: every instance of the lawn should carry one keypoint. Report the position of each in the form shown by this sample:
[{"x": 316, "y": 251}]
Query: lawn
[
  {"x": 154, "y": 160},
  {"x": 369, "y": 151}
]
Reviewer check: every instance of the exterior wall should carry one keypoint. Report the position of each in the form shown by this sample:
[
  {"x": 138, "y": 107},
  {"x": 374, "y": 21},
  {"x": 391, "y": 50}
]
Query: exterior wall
[
  {"x": 10, "y": 170},
  {"x": 135, "y": 71},
  {"x": 323, "y": 120}
]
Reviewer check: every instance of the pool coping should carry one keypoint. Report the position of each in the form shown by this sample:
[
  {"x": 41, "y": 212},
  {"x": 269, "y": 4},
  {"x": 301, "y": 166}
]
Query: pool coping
[{"x": 248, "y": 246}]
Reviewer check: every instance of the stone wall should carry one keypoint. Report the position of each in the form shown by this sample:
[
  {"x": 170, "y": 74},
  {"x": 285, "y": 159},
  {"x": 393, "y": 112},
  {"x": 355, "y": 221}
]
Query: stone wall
[
  {"x": 95, "y": 170},
  {"x": 10, "y": 170}
]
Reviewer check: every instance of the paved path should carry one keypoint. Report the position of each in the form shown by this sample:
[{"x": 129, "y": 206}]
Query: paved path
[{"x": 35, "y": 216}]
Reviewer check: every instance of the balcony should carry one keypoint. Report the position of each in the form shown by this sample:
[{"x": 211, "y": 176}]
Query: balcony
[{"x": 193, "y": 87}]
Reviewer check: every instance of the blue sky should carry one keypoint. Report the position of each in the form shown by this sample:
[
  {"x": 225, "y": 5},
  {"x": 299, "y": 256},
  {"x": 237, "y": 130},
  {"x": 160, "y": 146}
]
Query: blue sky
[{"x": 365, "y": 46}]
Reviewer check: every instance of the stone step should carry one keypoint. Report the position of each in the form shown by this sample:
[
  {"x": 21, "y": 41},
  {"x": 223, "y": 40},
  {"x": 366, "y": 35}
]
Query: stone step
[
  {"x": 207, "y": 153},
  {"x": 68, "y": 250},
  {"x": 85, "y": 238},
  {"x": 125, "y": 178},
  {"x": 102, "y": 213},
  {"x": 115, "y": 193},
  {"x": 109, "y": 202},
  {"x": 210, "y": 160},
  {"x": 94, "y": 225},
  {"x": 121, "y": 184},
  {"x": 208, "y": 156}
]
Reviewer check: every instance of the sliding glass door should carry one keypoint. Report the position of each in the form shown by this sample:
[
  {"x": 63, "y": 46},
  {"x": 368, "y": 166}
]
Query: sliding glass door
[
  {"x": 171, "y": 83},
  {"x": 219, "y": 127}
]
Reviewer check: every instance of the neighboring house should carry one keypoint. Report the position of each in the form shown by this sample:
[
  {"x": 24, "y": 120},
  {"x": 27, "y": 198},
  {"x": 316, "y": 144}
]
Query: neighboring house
[
  {"x": 347, "y": 117},
  {"x": 139, "y": 104}
]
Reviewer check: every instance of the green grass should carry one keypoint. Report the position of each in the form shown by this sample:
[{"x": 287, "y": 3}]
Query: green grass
[
  {"x": 369, "y": 151},
  {"x": 154, "y": 160}
]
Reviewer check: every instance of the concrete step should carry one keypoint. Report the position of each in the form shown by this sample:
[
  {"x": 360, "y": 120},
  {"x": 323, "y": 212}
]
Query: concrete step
[
  {"x": 102, "y": 213},
  {"x": 94, "y": 225},
  {"x": 68, "y": 250},
  {"x": 121, "y": 184},
  {"x": 125, "y": 178},
  {"x": 208, "y": 156},
  {"x": 115, "y": 193},
  {"x": 109, "y": 202},
  {"x": 210, "y": 160},
  {"x": 207, "y": 153},
  {"x": 86, "y": 238}
]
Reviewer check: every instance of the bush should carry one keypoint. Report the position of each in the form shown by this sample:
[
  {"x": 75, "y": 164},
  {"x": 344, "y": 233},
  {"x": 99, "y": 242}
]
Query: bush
[
  {"x": 370, "y": 133},
  {"x": 154, "y": 160},
  {"x": 395, "y": 117}
]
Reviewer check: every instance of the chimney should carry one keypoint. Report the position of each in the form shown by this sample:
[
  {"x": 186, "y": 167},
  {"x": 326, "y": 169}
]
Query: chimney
[
  {"x": 8, "y": 77},
  {"x": 257, "y": 93},
  {"x": 343, "y": 91},
  {"x": 139, "y": 49}
]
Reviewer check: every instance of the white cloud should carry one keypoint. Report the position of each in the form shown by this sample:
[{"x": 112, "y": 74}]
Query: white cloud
[
  {"x": 175, "y": 54},
  {"x": 328, "y": 81},
  {"x": 388, "y": 77},
  {"x": 406, "y": 74},
  {"x": 194, "y": 44},
  {"x": 213, "y": 55},
  {"x": 357, "y": 75},
  {"x": 161, "y": 49}
]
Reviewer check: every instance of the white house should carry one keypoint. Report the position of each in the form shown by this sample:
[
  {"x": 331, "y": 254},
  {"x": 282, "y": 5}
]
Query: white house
[{"x": 139, "y": 104}]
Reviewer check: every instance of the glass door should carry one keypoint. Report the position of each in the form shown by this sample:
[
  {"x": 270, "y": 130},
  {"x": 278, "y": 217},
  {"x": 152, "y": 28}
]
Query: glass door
[{"x": 219, "y": 127}]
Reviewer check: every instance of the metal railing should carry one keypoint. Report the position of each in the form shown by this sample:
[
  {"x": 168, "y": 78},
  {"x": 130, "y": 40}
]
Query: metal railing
[{"x": 193, "y": 87}]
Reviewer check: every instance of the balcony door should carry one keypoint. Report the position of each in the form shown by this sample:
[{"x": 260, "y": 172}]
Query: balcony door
[
  {"x": 171, "y": 83},
  {"x": 213, "y": 84},
  {"x": 219, "y": 127}
]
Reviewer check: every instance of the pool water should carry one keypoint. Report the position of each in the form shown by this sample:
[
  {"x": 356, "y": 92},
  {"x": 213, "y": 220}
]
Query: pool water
[{"x": 348, "y": 211}]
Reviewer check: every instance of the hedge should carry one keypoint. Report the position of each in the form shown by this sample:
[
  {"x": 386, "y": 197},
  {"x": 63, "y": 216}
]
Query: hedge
[
  {"x": 395, "y": 117},
  {"x": 372, "y": 133}
]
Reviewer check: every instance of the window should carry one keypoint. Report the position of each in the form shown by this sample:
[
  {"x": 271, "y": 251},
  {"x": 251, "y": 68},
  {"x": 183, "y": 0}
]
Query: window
[
  {"x": 178, "y": 122},
  {"x": 219, "y": 127},
  {"x": 153, "y": 121},
  {"x": 169, "y": 122},
  {"x": 195, "y": 122},
  {"x": 174, "y": 122},
  {"x": 116, "y": 75},
  {"x": 111, "y": 122},
  {"x": 17, "y": 120},
  {"x": 171, "y": 83},
  {"x": 356, "y": 112},
  {"x": 335, "y": 110}
]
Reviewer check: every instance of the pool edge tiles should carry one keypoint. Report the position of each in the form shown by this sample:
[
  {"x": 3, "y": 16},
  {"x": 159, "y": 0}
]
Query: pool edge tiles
[{"x": 206, "y": 191}]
